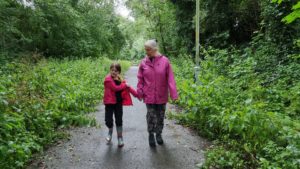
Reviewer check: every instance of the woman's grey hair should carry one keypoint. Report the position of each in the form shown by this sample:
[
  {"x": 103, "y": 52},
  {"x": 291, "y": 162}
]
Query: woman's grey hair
[{"x": 152, "y": 43}]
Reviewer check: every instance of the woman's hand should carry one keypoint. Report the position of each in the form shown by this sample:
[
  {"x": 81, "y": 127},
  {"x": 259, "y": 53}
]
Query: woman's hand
[{"x": 175, "y": 100}]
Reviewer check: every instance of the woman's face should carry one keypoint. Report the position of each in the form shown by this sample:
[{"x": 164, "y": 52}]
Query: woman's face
[
  {"x": 114, "y": 72},
  {"x": 150, "y": 52}
]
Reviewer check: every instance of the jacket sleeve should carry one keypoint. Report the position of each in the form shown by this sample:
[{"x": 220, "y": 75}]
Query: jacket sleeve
[
  {"x": 115, "y": 87},
  {"x": 171, "y": 82},
  {"x": 133, "y": 92},
  {"x": 140, "y": 83}
]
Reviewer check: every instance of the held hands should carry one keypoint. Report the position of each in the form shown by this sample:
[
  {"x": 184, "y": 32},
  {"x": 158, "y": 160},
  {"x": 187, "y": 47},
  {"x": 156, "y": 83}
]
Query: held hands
[{"x": 127, "y": 85}]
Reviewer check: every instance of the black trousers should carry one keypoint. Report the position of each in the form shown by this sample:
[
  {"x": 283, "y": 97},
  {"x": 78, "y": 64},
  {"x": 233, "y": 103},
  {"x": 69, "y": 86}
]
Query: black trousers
[{"x": 113, "y": 109}]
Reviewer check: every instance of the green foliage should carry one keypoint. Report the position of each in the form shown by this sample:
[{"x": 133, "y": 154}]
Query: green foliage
[
  {"x": 252, "y": 111},
  {"x": 159, "y": 22},
  {"x": 222, "y": 23},
  {"x": 248, "y": 94},
  {"x": 218, "y": 157},
  {"x": 275, "y": 31},
  {"x": 60, "y": 28},
  {"x": 37, "y": 99},
  {"x": 135, "y": 34},
  {"x": 247, "y": 99},
  {"x": 227, "y": 23},
  {"x": 293, "y": 15}
]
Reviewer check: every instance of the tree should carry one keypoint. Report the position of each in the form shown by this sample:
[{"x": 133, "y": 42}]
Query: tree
[
  {"x": 60, "y": 28},
  {"x": 160, "y": 18}
]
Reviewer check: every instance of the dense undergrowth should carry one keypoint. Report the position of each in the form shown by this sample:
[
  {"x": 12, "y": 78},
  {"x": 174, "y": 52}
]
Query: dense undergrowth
[
  {"x": 249, "y": 108},
  {"x": 39, "y": 98}
]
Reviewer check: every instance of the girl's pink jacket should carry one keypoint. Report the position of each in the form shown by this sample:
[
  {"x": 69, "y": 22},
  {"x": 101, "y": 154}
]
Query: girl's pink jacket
[
  {"x": 156, "y": 80},
  {"x": 110, "y": 89}
]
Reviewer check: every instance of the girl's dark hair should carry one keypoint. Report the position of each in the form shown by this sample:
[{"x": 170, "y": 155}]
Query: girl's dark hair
[{"x": 117, "y": 66}]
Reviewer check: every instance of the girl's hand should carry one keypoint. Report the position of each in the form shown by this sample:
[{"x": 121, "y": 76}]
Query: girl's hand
[{"x": 120, "y": 77}]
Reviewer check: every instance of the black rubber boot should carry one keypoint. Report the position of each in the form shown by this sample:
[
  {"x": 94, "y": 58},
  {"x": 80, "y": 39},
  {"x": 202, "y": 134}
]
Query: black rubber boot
[
  {"x": 159, "y": 139},
  {"x": 151, "y": 140}
]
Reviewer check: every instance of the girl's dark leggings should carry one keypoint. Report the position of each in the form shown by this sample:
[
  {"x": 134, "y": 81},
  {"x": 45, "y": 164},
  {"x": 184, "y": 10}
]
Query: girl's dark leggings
[{"x": 110, "y": 110}]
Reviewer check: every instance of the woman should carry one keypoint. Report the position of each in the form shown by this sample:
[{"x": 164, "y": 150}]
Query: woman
[{"x": 155, "y": 81}]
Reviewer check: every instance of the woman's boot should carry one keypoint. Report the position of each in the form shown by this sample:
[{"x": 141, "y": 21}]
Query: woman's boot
[
  {"x": 151, "y": 140},
  {"x": 159, "y": 139}
]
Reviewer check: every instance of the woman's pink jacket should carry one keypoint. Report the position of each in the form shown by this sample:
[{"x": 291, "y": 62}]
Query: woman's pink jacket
[{"x": 156, "y": 80}]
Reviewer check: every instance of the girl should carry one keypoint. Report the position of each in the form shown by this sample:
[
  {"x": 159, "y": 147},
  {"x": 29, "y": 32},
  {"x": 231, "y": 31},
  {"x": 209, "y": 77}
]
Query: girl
[{"x": 116, "y": 94}]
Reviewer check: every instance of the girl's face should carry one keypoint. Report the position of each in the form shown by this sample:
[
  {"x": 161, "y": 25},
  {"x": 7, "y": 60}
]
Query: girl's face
[
  {"x": 114, "y": 72},
  {"x": 150, "y": 52}
]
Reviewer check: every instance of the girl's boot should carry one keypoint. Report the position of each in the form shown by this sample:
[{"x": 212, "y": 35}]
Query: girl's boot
[
  {"x": 109, "y": 135},
  {"x": 120, "y": 136}
]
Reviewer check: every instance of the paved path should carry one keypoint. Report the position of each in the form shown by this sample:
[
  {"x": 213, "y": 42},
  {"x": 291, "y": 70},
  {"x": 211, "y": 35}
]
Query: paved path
[{"x": 87, "y": 148}]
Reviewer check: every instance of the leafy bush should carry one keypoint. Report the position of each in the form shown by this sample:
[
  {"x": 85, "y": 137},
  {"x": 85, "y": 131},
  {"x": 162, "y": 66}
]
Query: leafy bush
[
  {"x": 38, "y": 99},
  {"x": 254, "y": 119},
  {"x": 221, "y": 158}
]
